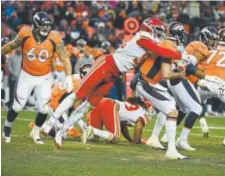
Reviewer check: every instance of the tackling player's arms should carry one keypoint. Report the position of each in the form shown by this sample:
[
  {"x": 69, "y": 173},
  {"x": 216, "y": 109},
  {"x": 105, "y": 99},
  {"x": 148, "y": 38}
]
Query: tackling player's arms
[
  {"x": 60, "y": 50},
  {"x": 16, "y": 42}
]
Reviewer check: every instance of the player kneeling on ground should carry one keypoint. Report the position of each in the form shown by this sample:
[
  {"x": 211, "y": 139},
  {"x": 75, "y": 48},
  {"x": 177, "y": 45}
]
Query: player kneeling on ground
[{"x": 116, "y": 116}]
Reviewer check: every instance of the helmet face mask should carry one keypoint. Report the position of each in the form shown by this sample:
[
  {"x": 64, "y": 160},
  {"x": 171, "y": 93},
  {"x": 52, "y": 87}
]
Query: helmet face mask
[
  {"x": 42, "y": 24},
  {"x": 209, "y": 36},
  {"x": 176, "y": 32}
]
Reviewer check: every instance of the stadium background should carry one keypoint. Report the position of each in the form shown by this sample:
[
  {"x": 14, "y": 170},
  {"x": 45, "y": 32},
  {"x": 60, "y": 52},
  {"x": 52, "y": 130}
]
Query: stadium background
[{"x": 98, "y": 21}]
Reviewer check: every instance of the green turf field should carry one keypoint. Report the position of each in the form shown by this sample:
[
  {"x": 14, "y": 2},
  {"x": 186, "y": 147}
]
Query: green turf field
[{"x": 24, "y": 158}]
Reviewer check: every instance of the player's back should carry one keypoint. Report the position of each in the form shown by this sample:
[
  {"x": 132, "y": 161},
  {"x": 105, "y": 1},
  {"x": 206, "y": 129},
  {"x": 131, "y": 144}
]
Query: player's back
[
  {"x": 214, "y": 65},
  {"x": 130, "y": 113},
  {"x": 130, "y": 55},
  {"x": 38, "y": 56},
  {"x": 151, "y": 69}
]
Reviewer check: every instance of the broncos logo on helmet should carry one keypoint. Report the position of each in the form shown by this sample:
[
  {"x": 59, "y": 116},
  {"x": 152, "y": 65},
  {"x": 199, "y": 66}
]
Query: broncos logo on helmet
[
  {"x": 209, "y": 36},
  {"x": 42, "y": 24}
]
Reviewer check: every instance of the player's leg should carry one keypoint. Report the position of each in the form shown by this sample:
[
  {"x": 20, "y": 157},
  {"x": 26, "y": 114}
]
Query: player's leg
[
  {"x": 108, "y": 112},
  {"x": 22, "y": 91},
  {"x": 43, "y": 95},
  {"x": 188, "y": 98},
  {"x": 153, "y": 141},
  {"x": 91, "y": 80},
  {"x": 164, "y": 102}
]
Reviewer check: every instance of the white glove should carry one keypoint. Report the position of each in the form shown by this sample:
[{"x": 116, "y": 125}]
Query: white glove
[
  {"x": 69, "y": 83},
  {"x": 188, "y": 59},
  {"x": 214, "y": 79},
  {"x": 202, "y": 84}
]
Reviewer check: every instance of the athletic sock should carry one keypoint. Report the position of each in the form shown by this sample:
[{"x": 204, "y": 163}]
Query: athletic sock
[
  {"x": 11, "y": 116},
  {"x": 83, "y": 126},
  {"x": 40, "y": 119},
  {"x": 180, "y": 117},
  {"x": 64, "y": 105},
  {"x": 103, "y": 134},
  {"x": 190, "y": 120},
  {"x": 159, "y": 124},
  {"x": 184, "y": 133},
  {"x": 171, "y": 132}
]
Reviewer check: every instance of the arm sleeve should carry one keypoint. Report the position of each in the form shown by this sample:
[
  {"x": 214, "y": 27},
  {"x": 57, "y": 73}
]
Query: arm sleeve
[{"x": 161, "y": 51}]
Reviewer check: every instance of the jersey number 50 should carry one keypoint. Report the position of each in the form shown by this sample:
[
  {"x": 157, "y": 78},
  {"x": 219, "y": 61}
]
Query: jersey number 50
[{"x": 42, "y": 56}]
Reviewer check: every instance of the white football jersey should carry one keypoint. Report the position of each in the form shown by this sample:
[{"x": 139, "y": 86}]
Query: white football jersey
[
  {"x": 130, "y": 55},
  {"x": 130, "y": 113}
]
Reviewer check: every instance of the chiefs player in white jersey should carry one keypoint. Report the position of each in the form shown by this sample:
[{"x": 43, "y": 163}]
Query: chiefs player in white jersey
[
  {"x": 106, "y": 69},
  {"x": 116, "y": 116}
]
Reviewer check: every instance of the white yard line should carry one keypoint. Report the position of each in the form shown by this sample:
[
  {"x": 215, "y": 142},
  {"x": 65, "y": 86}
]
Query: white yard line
[{"x": 194, "y": 134}]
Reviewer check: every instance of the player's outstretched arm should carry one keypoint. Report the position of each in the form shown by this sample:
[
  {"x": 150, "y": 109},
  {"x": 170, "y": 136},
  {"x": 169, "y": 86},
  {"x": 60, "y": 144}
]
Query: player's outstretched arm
[
  {"x": 161, "y": 51},
  {"x": 60, "y": 50},
  {"x": 125, "y": 132},
  {"x": 16, "y": 42},
  {"x": 138, "y": 130}
]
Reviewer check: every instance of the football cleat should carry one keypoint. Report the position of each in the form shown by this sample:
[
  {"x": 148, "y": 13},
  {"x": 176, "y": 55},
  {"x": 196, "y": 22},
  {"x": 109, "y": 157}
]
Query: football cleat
[
  {"x": 183, "y": 144},
  {"x": 7, "y": 134},
  {"x": 175, "y": 155},
  {"x": 164, "y": 139},
  {"x": 154, "y": 143},
  {"x": 224, "y": 142},
  {"x": 87, "y": 134},
  {"x": 58, "y": 139},
  {"x": 35, "y": 135},
  {"x": 204, "y": 127}
]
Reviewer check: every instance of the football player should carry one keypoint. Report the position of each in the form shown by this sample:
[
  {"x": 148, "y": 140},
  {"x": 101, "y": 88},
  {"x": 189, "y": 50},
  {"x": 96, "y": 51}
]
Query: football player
[
  {"x": 147, "y": 84},
  {"x": 39, "y": 44},
  {"x": 186, "y": 103},
  {"x": 106, "y": 69},
  {"x": 213, "y": 66},
  {"x": 116, "y": 116},
  {"x": 58, "y": 94}
]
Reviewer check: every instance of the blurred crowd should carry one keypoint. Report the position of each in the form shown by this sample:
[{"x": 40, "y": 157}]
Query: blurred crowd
[
  {"x": 97, "y": 21},
  {"x": 88, "y": 25}
]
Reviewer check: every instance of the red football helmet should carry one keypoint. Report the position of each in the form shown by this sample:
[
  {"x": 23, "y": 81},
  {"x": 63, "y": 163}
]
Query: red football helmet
[{"x": 155, "y": 27}]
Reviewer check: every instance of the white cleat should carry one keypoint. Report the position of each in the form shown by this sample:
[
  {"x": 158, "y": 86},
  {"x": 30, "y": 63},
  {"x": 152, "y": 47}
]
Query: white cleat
[
  {"x": 37, "y": 139},
  {"x": 183, "y": 144},
  {"x": 204, "y": 127},
  {"x": 6, "y": 134},
  {"x": 224, "y": 142},
  {"x": 58, "y": 139},
  {"x": 87, "y": 134},
  {"x": 154, "y": 143},
  {"x": 35, "y": 135},
  {"x": 175, "y": 155},
  {"x": 164, "y": 139}
]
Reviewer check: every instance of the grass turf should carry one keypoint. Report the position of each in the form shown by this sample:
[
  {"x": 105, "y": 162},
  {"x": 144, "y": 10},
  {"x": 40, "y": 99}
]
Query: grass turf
[{"x": 24, "y": 158}]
